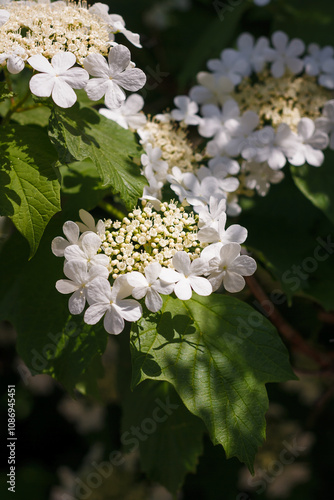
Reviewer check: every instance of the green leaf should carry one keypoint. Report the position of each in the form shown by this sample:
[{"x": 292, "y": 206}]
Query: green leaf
[
  {"x": 84, "y": 133},
  {"x": 28, "y": 297},
  {"x": 317, "y": 184},
  {"x": 218, "y": 353},
  {"x": 5, "y": 93},
  {"x": 172, "y": 438},
  {"x": 30, "y": 190},
  {"x": 292, "y": 237}
]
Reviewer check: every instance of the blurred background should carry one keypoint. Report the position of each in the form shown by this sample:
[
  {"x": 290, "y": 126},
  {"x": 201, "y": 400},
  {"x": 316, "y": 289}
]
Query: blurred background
[{"x": 59, "y": 436}]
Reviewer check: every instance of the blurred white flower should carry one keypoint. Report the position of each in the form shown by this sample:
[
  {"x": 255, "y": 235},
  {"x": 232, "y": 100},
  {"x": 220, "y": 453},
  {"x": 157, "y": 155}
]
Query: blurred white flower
[
  {"x": 128, "y": 114},
  {"x": 231, "y": 65},
  {"x": 149, "y": 286},
  {"x": 315, "y": 58},
  {"x": 326, "y": 122},
  {"x": 285, "y": 54},
  {"x": 187, "y": 111},
  {"x": 311, "y": 141}
]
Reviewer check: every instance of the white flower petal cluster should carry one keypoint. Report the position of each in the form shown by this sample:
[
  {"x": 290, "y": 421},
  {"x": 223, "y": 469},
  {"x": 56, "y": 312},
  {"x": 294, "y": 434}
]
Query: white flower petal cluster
[
  {"x": 63, "y": 38},
  {"x": 187, "y": 268},
  {"x": 129, "y": 114}
]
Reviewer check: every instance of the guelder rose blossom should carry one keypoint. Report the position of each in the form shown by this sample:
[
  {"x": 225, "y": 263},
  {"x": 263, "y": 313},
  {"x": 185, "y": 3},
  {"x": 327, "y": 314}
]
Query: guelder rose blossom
[
  {"x": 112, "y": 76},
  {"x": 87, "y": 251},
  {"x": 128, "y": 115},
  {"x": 186, "y": 276},
  {"x": 57, "y": 79},
  {"x": 111, "y": 303},
  {"x": 79, "y": 280}
]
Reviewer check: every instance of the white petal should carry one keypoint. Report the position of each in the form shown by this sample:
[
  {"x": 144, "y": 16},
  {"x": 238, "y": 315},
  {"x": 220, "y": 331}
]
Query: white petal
[
  {"x": 244, "y": 265},
  {"x": 235, "y": 234},
  {"x": 40, "y": 63},
  {"x": 137, "y": 279},
  {"x": 42, "y": 84},
  {"x": 152, "y": 271},
  {"x": 169, "y": 275},
  {"x": 77, "y": 301},
  {"x": 229, "y": 252},
  {"x": 62, "y": 94},
  {"x": 96, "y": 65},
  {"x": 66, "y": 286},
  {"x": 130, "y": 309},
  {"x": 200, "y": 285},
  {"x": 62, "y": 61},
  {"x": 71, "y": 231},
  {"x": 74, "y": 252},
  {"x": 15, "y": 64},
  {"x": 131, "y": 79},
  {"x": 76, "y": 270},
  {"x": 153, "y": 301},
  {"x": 114, "y": 96},
  {"x": 76, "y": 78},
  {"x": 119, "y": 59},
  {"x": 90, "y": 244},
  {"x": 140, "y": 292},
  {"x": 99, "y": 291},
  {"x": 96, "y": 88},
  {"x": 181, "y": 262},
  {"x": 94, "y": 313},
  {"x": 233, "y": 282},
  {"x": 113, "y": 321},
  {"x": 183, "y": 289},
  {"x": 58, "y": 246}
]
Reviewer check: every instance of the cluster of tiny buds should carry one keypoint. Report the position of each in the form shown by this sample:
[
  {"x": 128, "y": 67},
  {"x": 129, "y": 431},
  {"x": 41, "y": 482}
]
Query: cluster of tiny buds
[{"x": 147, "y": 236}]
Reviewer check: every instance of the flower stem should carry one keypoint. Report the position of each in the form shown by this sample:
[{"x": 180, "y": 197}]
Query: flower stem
[{"x": 15, "y": 107}]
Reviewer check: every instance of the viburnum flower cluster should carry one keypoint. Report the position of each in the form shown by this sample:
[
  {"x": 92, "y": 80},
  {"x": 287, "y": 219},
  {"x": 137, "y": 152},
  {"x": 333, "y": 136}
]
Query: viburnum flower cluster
[
  {"x": 65, "y": 43},
  {"x": 150, "y": 253},
  {"x": 260, "y": 106}
]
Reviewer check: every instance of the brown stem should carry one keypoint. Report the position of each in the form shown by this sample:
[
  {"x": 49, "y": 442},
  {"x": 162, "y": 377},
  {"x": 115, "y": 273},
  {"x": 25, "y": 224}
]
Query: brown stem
[{"x": 289, "y": 333}]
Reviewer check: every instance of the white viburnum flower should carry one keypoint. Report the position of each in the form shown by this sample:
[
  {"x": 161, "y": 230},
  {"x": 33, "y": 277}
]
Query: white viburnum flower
[
  {"x": 217, "y": 236},
  {"x": 270, "y": 146},
  {"x": 198, "y": 192},
  {"x": 316, "y": 57},
  {"x": 129, "y": 114},
  {"x": 210, "y": 214},
  {"x": 252, "y": 51},
  {"x": 112, "y": 76},
  {"x": 87, "y": 252},
  {"x": 326, "y": 78},
  {"x": 187, "y": 111},
  {"x": 111, "y": 303},
  {"x": 228, "y": 268},
  {"x": 214, "y": 118},
  {"x": 4, "y": 16},
  {"x": 88, "y": 223},
  {"x": 57, "y": 79},
  {"x": 152, "y": 163},
  {"x": 187, "y": 276},
  {"x": 326, "y": 122},
  {"x": 72, "y": 232},
  {"x": 149, "y": 286},
  {"x": 260, "y": 176},
  {"x": 79, "y": 281},
  {"x": 239, "y": 129},
  {"x": 224, "y": 184},
  {"x": 16, "y": 58},
  {"x": 118, "y": 25},
  {"x": 223, "y": 164},
  {"x": 285, "y": 54},
  {"x": 312, "y": 140},
  {"x": 212, "y": 89},
  {"x": 231, "y": 65}
]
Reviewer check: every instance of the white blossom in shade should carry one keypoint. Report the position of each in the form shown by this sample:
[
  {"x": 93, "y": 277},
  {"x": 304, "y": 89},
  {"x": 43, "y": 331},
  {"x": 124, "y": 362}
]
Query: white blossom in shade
[
  {"x": 79, "y": 281},
  {"x": 176, "y": 183},
  {"x": 118, "y": 25},
  {"x": 149, "y": 286},
  {"x": 87, "y": 251},
  {"x": 15, "y": 59},
  {"x": 270, "y": 146},
  {"x": 239, "y": 129},
  {"x": 316, "y": 57},
  {"x": 228, "y": 267},
  {"x": 152, "y": 163},
  {"x": 224, "y": 164},
  {"x": 187, "y": 276},
  {"x": 210, "y": 214},
  {"x": 259, "y": 176},
  {"x": 217, "y": 146},
  {"x": 128, "y": 115},
  {"x": 4, "y": 16},
  {"x": 57, "y": 79},
  {"x": 312, "y": 140},
  {"x": 252, "y": 51},
  {"x": 285, "y": 54},
  {"x": 233, "y": 208},
  {"x": 198, "y": 192},
  {"x": 214, "y": 118},
  {"x": 326, "y": 78},
  {"x": 231, "y": 64},
  {"x": 112, "y": 76},
  {"x": 224, "y": 184},
  {"x": 326, "y": 122},
  {"x": 212, "y": 89},
  {"x": 72, "y": 232},
  {"x": 88, "y": 223},
  {"x": 218, "y": 236},
  {"x": 187, "y": 111},
  {"x": 261, "y": 3},
  {"x": 111, "y": 303},
  {"x": 152, "y": 192}
]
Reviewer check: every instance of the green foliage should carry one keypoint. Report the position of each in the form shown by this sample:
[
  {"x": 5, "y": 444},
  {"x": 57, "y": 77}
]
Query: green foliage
[
  {"x": 5, "y": 93},
  {"x": 218, "y": 353},
  {"x": 81, "y": 133},
  {"x": 173, "y": 442},
  {"x": 48, "y": 341},
  {"x": 30, "y": 190},
  {"x": 318, "y": 185}
]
